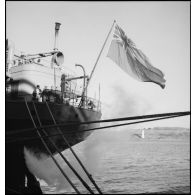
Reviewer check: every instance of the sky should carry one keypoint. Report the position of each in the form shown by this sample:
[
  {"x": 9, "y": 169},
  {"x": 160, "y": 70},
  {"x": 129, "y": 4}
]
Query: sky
[{"x": 160, "y": 29}]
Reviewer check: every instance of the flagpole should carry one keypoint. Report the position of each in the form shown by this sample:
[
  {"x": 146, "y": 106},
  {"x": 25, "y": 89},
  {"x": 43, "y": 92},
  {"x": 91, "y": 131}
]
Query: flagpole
[{"x": 99, "y": 55}]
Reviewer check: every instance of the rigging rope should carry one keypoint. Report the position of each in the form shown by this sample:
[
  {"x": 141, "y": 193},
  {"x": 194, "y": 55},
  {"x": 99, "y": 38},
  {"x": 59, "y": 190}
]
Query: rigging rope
[
  {"x": 62, "y": 156},
  {"x": 99, "y": 128},
  {"x": 103, "y": 121},
  {"x": 48, "y": 150},
  {"x": 77, "y": 158}
]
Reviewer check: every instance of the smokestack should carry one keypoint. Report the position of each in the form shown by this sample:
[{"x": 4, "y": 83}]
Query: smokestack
[{"x": 57, "y": 27}]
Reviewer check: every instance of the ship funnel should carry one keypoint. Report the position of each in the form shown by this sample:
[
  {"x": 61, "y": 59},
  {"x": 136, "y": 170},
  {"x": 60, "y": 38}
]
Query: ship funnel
[{"x": 57, "y": 28}]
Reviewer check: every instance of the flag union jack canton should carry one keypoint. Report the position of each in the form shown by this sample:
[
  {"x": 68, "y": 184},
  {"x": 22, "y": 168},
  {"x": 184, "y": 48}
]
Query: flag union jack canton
[{"x": 132, "y": 60}]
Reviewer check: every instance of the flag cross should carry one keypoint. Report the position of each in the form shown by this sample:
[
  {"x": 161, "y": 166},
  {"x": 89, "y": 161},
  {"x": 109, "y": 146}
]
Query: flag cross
[{"x": 132, "y": 60}]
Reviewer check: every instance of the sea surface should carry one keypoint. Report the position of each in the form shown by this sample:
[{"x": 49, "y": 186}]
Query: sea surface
[{"x": 122, "y": 162}]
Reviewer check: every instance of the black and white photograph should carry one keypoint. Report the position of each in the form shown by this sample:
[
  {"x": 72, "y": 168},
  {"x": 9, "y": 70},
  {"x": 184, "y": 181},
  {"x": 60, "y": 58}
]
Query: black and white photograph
[{"x": 97, "y": 97}]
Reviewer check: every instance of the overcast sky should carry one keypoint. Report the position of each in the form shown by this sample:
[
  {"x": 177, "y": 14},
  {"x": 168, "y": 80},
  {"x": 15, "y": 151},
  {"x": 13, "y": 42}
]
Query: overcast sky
[{"x": 160, "y": 29}]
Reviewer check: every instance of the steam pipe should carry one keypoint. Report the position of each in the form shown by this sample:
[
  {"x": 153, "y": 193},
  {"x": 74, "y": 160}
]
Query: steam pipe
[{"x": 84, "y": 93}]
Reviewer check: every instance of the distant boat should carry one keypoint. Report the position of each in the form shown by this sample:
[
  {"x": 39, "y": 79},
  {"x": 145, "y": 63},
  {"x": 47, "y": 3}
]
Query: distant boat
[
  {"x": 142, "y": 136},
  {"x": 142, "y": 133}
]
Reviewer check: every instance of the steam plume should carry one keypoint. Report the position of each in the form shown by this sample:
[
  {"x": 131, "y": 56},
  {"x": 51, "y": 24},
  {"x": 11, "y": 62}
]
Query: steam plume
[{"x": 92, "y": 151}]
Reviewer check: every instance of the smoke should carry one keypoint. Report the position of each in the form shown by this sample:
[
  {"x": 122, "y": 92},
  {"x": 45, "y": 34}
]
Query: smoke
[
  {"x": 91, "y": 152},
  {"x": 124, "y": 104},
  {"x": 95, "y": 149},
  {"x": 45, "y": 169}
]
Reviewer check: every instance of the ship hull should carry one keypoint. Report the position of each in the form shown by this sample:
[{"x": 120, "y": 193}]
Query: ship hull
[
  {"x": 20, "y": 133},
  {"x": 19, "y": 125}
]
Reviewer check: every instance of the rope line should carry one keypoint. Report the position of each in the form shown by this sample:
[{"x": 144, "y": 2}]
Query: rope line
[
  {"x": 48, "y": 150},
  {"x": 97, "y": 128},
  {"x": 9, "y": 139},
  {"x": 62, "y": 156},
  {"x": 74, "y": 154},
  {"x": 102, "y": 121}
]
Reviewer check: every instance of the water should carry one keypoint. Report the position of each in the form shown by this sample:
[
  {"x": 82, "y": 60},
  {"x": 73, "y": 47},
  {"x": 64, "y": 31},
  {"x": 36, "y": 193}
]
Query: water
[{"x": 123, "y": 162}]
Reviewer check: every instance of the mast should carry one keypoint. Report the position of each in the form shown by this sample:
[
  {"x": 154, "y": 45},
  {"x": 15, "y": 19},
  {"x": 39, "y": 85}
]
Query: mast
[{"x": 99, "y": 56}]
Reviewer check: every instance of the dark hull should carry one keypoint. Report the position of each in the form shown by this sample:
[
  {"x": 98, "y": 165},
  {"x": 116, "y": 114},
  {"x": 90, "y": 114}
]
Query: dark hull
[{"x": 18, "y": 120}]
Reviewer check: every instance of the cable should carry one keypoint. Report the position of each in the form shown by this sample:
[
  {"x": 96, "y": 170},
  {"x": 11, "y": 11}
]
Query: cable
[
  {"x": 97, "y": 128},
  {"x": 50, "y": 153},
  {"x": 63, "y": 157},
  {"x": 101, "y": 121}
]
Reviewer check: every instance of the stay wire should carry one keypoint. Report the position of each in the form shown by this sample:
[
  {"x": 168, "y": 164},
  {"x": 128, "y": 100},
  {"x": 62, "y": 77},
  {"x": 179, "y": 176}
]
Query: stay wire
[
  {"x": 62, "y": 156},
  {"x": 97, "y": 128},
  {"x": 75, "y": 155},
  {"x": 48, "y": 150},
  {"x": 101, "y": 121}
]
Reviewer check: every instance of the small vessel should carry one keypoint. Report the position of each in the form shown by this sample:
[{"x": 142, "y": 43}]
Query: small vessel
[{"x": 143, "y": 136}]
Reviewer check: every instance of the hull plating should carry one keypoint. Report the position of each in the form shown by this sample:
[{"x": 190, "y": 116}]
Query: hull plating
[{"x": 18, "y": 119}]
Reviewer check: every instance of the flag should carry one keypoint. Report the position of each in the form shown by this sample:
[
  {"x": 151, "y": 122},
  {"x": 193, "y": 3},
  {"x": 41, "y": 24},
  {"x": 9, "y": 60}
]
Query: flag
[{"x": 132, "y": 60}]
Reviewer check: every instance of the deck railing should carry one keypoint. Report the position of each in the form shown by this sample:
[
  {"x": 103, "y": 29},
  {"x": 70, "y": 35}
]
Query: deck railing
[{"x": 71, "y": 98}]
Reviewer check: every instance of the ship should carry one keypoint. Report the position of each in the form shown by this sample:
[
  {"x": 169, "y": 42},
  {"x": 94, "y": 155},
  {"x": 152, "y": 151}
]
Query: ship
[
  {"x": 40, "y": 94},
  {"x": 44, "y": 110}
]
